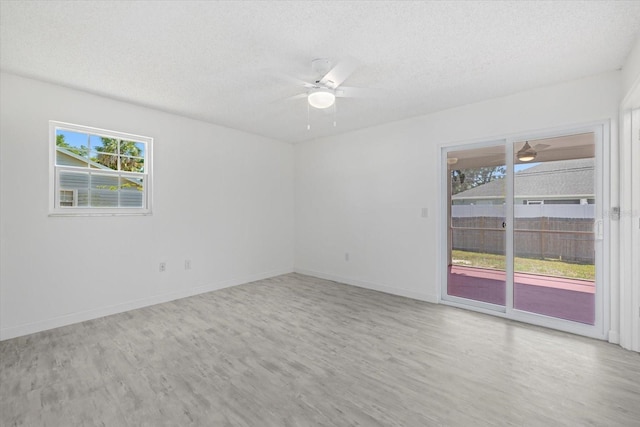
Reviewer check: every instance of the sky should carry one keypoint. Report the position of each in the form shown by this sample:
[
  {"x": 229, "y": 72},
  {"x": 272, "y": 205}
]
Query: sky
[{"x": 524, "y": 166}]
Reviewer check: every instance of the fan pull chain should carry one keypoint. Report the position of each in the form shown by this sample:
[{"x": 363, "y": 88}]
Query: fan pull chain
[
  {"x": 308, "y": 124},
  {"x": 335, "y": 108}
]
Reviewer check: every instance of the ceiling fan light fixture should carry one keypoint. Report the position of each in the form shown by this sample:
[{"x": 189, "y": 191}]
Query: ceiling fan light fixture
[
  {"x": 321, "y": 98},
  {"x": 526, "y": 153}
]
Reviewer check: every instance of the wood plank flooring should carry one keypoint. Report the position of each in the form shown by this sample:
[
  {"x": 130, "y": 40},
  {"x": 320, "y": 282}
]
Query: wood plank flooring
[{"x": 299, "y": 351}]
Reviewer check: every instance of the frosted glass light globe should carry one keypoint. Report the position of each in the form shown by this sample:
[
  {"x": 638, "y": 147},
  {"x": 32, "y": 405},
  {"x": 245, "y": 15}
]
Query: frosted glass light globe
[{"x": 321, "y": 98}]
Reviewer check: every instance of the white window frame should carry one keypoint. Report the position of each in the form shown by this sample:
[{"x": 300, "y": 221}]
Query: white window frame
[{"x": 54, "y": 185}]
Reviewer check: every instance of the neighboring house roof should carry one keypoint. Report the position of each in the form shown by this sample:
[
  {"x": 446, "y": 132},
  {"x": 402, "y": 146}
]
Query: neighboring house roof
[
  {"x": 80, "y": 159},
  {"x": 550, "y": 179},
  {"x": 74, "y": 159}
]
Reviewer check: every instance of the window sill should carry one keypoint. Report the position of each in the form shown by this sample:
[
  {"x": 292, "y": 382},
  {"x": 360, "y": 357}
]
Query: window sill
[{"x": 77, "y": 213}]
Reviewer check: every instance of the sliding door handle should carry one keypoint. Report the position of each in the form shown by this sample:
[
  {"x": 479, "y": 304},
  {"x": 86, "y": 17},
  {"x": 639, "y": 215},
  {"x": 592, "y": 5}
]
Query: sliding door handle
[{"x": 598, "y": 229}]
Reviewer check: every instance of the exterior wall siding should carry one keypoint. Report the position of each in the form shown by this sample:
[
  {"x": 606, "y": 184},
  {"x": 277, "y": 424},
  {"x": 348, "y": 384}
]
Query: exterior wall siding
[{"x": 97, "y": 190}]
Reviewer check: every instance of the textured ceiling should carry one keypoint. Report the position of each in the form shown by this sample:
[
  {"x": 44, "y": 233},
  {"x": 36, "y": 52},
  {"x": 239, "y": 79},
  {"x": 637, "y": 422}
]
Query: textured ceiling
[{"x": 222, "y": 61}]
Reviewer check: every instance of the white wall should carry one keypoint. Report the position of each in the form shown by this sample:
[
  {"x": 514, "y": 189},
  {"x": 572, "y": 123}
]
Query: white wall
[
  {"x": 629, "y": 185},
  {"x": 222, "y": 198},
  {"x": 363, "y": 192},
  {"x": 631, "y": 76}
]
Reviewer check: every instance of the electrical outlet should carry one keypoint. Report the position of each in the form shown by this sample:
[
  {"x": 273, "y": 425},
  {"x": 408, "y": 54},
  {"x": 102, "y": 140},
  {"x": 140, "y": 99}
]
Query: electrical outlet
[
  {"x": 187, "y": 264},
  {"x": 163, "y": 267},
  {"x": 346, "y": 256}
]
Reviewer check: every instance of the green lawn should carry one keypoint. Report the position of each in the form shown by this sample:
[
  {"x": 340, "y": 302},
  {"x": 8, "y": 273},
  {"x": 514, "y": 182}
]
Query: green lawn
[{"x": 526, "y": 265}]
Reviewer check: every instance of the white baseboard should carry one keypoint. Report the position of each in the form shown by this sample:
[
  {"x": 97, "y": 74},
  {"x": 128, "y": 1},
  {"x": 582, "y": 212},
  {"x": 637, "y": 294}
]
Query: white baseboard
[
  {"x": 432, "y": 298},
  {"x": 81, "y": 316},
  {"x": 614, "y": 337}
]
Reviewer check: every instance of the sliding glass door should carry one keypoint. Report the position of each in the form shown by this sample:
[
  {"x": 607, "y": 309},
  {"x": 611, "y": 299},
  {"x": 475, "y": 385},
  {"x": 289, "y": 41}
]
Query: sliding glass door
[
  {"x": 524, "y": 229},
  {"x": 553, "y": 235},
  {"x": 476, "y": 200}
]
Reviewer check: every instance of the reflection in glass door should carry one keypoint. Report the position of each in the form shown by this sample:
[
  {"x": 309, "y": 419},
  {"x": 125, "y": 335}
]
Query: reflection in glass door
[
  {"x": 553, "y": 236},
  {"x": 476, "y": 225}
]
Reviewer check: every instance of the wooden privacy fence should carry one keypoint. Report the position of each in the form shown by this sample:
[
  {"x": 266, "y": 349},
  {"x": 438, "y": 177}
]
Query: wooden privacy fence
[{"x": 568, "y": 239}]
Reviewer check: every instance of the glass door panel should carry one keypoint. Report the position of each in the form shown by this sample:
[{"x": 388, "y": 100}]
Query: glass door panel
[
  {"x": 553, "y": 238},
  {"x": 476, "y": 224}
]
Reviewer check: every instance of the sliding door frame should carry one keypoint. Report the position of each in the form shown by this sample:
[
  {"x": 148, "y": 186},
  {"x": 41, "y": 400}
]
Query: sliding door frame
[
  {"x": 628, "y": 269},
  {"x": 445, "y": 214},
  {"x": 600, "y": 328}
]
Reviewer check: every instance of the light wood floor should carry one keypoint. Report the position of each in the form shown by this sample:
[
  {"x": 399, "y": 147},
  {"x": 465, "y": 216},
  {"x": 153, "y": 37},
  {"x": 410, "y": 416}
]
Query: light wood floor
[{"x": 296, "y": 351}]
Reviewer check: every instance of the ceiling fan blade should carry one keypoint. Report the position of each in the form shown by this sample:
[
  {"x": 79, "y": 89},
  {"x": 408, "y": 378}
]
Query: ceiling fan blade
[
  {"x": 298, "y": 96},
  {"x": 356, "y": 92},
  {"x": 540, "y": 147},
  {"x": 289, "y": 98},
  {"x": 294, "y": 80},
  {"x": 338, "y": 74}
]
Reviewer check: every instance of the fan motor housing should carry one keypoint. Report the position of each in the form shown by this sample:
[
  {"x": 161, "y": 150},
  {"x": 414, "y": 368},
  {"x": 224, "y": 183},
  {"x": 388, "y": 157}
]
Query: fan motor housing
[{"x": 321, "y": 66}]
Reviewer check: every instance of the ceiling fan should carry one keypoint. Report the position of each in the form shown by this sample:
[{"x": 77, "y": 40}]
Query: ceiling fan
[
  {"x": 327, "y": 86},
  {"x": 496, "y": 155},
  {"x": 528, "y": 153}
]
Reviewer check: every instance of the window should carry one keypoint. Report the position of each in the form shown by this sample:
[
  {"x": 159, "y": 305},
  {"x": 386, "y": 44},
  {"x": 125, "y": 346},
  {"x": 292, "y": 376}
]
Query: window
[
  {"x": 68, "y": 197},
  {"x": 95, "y": 171}
]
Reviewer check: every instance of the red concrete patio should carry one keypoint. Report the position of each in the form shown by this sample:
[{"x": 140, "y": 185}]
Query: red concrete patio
[{"x": 570, "y": 299}]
